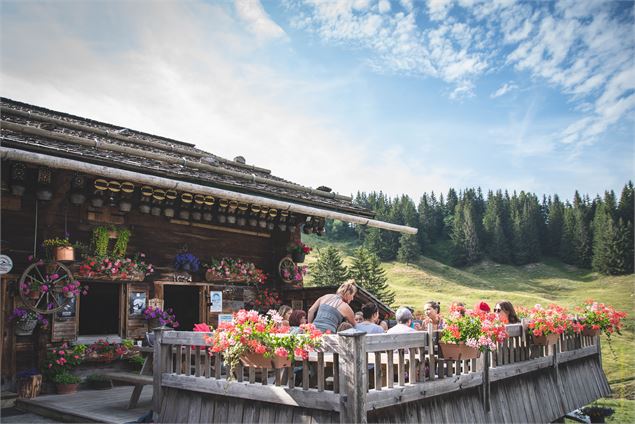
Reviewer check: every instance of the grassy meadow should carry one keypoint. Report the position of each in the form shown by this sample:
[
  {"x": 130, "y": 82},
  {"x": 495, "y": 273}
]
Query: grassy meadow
[{"x": 546, "y": 282}]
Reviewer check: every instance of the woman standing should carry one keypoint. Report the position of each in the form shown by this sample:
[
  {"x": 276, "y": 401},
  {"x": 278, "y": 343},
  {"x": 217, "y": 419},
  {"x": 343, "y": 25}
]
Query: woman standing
[{"x": 328, "y": 312}]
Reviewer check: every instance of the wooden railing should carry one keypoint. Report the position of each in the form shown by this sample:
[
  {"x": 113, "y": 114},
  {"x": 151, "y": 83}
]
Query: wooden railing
[{"x": 353, "y": 372}]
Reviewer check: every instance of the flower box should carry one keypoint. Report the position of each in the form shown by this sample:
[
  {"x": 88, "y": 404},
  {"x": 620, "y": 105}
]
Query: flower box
[
  {"x": 255, "y": 360},
  {"x": 458, "y": 351},
  {"x": 280, "y": 362},
  {"x": 547, "y": 340},
  {"x": 590, "y": 332}
]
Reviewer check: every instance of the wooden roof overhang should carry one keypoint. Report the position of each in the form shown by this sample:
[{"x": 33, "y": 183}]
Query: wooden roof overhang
[{"x": 47, "y": 138}]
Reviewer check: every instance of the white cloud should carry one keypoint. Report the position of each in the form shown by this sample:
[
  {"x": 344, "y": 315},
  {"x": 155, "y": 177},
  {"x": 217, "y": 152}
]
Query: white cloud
[
  {"x": 255, "y": 16},
  {"x": 438, "y": 9},
  {"x": 504, "y": 89}
]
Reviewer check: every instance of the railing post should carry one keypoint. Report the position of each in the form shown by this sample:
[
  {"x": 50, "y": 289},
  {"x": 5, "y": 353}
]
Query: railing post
[
  {"x": 484, "y": 364},
  {"x": 157, "y": 370},
  {"x": 353, "y": 390}
]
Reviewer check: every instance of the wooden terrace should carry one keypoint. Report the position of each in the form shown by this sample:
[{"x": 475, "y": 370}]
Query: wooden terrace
[{"x": 381, "y": 378}]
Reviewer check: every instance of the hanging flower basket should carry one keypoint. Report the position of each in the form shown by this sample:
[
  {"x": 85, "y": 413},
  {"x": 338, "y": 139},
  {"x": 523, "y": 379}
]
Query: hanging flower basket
[
  {"x": 298, "y": 257},
  {"x": 25, "y": 327},
  {"x": 64, "y": 253},
  {"x": 255, "y": 360},
  {"x": 458, "y": 351},
  {"x": 547, "y": 340}
]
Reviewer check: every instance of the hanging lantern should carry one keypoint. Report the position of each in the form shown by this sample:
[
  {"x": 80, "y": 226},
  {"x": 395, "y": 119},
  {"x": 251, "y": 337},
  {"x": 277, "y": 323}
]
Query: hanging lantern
[
  {"x": 319, "y": 229},
  {"x": 253, "y": 216},
  {"x": 146, "y": 198},
  {"x": 241, "y": 220},
  {"x": 18, "y": 178},
  {"x": 125, "y": 204},
  {"x": 222, "y": 210},
  {"x": 114, "y": 187},
  {"x": 78, "y": 185},
  {"x": 197, "y": 207},
  {"x": 186, "y": 202},
  {"x": 307, "y": 227},
  {"x": 270, "y": 218},
  {"x": 282, "y": 222},
  {"x": 231, "y": 211},
  {"x": 207, "y": 208},
  {"x": 44, "y": 191},
  {"x": 170, "y": 198},
  {"x": 100, "y": 187}
]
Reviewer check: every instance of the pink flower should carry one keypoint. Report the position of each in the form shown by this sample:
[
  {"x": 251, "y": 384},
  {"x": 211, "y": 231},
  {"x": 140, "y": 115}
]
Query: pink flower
[{"x": 281, "y": 352}]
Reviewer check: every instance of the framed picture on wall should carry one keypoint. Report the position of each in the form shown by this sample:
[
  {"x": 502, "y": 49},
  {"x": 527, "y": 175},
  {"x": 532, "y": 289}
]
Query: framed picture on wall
[
  {"x": 69, "y": 310},
  {"x": 297, "y": 304},
  {"x": 224, "y": 318},
  {"x": 136, "y": 304},
  {"x": 216, "y": 301}
]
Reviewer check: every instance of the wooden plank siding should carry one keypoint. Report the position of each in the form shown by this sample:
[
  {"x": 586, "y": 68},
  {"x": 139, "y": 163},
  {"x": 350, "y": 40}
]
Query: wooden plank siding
[{"x": 542, "y": 389}]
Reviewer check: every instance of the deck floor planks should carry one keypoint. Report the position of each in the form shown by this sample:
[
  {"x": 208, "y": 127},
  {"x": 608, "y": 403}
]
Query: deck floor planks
[{"x": 92, "y": 405}]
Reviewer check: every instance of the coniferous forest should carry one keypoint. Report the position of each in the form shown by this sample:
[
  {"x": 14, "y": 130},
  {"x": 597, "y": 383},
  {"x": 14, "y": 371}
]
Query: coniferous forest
[{"x": 464, "y": 227}]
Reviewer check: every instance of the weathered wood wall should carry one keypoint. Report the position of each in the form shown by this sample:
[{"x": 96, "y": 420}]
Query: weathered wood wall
[{"x": 204, "y": 408}]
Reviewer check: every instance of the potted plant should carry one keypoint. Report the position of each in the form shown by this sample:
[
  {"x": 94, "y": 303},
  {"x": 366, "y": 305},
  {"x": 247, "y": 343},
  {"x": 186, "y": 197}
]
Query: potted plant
[
  {"x": 29, "y": 383},
  {"x": 298, "y": 251},
  {"x": 62, "y": 249},
  {"x": 66, "y": 383},
  {"x": 187, "y": 262},
  {"x": 597, "y": 413},
  {"x": 157, "y": 317},
  {"x": 547, "y": 324},
  {"x": 58, "y": 365},
  {"x": 467, "y": 333},
  {"x": 265, "y": 300},
  {"x": 25, "y": 321},
  {"x": 98, "y": 382},
  {"x": 103, "y": 351},
  {"x": 261, "y": 341},
  {"x": 597, "y": 317}
]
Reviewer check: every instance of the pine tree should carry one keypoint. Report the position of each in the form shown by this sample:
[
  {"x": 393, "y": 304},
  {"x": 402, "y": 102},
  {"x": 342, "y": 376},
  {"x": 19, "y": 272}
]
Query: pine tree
[
  {"x": 465, "y": 239},
  {"x": 567, "y": 249},
  {"x": 367, "y": 272},
  {"x": 408, "y": 248},
  {"x": 495, "y": 238},
  {"x": 329, "y": 269},
  {"x": 555, "y": 221}
]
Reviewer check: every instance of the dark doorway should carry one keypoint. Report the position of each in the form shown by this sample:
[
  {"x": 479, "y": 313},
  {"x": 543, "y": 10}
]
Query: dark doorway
[
  {"x": 99, "y": 309},
  {"x": 184, "y": 301}
]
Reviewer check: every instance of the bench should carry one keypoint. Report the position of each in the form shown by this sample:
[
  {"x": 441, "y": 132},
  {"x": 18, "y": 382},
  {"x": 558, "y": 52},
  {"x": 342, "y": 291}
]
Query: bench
[{"x": 138, "y": 380}]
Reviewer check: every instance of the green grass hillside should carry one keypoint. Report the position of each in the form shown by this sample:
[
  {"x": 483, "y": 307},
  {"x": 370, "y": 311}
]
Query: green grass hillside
[{"x": 546, "y": 282}]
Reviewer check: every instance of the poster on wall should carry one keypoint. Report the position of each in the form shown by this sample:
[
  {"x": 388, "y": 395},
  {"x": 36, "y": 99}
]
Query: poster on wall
[
  {"x": 136, "y": 304},
  {"x": 224, "y": 318},
  {"x": 216, "y": 301},
  {"x": 68, "y": 311}
]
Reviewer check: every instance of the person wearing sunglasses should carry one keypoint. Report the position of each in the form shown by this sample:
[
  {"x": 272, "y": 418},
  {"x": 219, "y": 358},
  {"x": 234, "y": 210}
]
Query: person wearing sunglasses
[{"x": 506, "y": 312}]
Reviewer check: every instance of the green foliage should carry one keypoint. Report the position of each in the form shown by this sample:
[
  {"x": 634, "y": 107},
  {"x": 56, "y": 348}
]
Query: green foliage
[
  {"x": 367, "y": 272},
  {"x": 329, "y": 269},
  {"x": 121, "y": 244},
  {"x": 66, "y": 378},
  {"x": 408, "y": 248},
  {"x": 136, "y": 361},
  {"x": 100, "y": 241}
]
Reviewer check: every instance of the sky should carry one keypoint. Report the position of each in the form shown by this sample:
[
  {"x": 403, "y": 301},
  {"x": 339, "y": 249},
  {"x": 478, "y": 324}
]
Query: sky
[{"x": 400, "y": 96}]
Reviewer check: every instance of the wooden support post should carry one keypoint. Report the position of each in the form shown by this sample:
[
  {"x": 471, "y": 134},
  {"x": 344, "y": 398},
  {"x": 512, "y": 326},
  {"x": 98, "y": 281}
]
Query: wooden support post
[
  {"x": 160, "y": 357},
  {"x": 353, "y": 386},
  {"x": 483, "y": 365}
]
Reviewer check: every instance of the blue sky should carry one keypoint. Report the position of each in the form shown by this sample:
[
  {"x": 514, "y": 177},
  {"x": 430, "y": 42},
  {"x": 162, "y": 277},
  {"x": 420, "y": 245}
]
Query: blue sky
[{"x": 399, "y": 96}]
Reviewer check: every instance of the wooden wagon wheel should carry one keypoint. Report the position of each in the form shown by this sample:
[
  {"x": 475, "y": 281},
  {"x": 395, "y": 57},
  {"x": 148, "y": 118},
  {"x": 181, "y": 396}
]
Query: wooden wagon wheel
[
  {"x": 285, "y": 263},
  {"x": 41, "y": 287}
]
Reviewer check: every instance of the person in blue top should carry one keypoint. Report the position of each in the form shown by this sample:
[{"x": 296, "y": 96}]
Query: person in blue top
[
  {"x": 371, "y": 316},
  {"x": 328, "y": 312}
]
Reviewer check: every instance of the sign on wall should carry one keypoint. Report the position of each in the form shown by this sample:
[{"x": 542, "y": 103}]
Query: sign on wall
[
  {"x": 6, "y": 264},
  {"x": 216, "y": 301}
]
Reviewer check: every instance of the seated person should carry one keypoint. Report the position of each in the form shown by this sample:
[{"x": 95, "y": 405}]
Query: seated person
[
  {"x": 432, "y": 310},
  {"x": 359, "y": 317},
  {"x": 344, "y": 326},
  {"x": 296, "y": 319},
  {"x": 371, "y": 316},
  {"x": 328, "y": 312},
  {"x": 404, "y": 320},
  {"x": 506, "y": 312},
  {"x": 384, "y": 324},
  {"x": 285, "y": 313}
]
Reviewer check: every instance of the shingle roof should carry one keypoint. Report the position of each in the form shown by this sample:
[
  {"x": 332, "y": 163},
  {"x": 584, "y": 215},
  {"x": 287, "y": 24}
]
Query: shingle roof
[{"x": 33, "y": 128}]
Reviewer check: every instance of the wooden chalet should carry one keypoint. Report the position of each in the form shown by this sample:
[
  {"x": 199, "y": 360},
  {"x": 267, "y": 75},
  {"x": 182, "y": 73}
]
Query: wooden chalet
[
  {"x": 66, "y": 174},
  {"x": 63, "y": 174}
]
